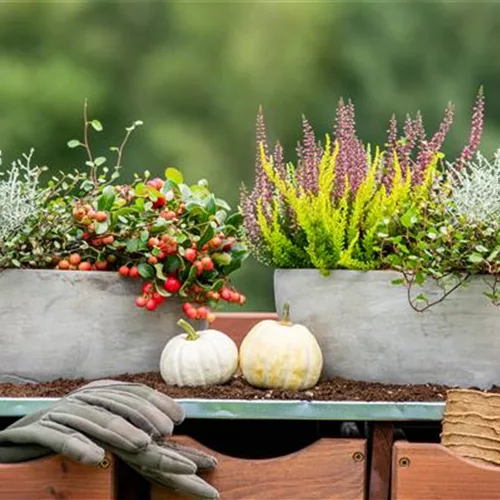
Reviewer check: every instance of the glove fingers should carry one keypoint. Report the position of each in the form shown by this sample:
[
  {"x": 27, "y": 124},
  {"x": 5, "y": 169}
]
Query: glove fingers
[
  {"x": 101, "y": 424},
  {"x": 160, "y": 459},
  {"x": 58, "y": 438},
  {"x": 189, "y": 484},
  {"x": 164, "y": 403},
  {"x": 138, "y": 411},
  {"x": 22, "y": 453},
  {"x": 201, "y": 459}
]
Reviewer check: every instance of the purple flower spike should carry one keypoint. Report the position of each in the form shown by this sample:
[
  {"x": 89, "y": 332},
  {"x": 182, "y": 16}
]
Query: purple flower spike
[{"x": 476, "y": 131}]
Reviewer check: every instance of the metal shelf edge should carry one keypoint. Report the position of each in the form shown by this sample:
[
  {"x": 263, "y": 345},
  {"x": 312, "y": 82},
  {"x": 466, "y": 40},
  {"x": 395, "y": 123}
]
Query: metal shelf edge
[{"x": 270, "y": 410}]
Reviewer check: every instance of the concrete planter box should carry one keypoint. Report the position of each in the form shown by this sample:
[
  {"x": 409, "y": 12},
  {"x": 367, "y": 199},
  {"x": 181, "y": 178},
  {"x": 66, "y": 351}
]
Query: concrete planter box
[
  {"x": 77, "y": 324},
  {"x": 368, "y": 331}
]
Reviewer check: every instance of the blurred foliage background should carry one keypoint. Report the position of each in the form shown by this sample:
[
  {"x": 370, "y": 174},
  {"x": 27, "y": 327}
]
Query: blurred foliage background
[{"x": 196, "y": 72}]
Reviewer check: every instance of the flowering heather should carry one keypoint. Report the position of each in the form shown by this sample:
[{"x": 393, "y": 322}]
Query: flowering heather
[{"x": 414, "y": 151}]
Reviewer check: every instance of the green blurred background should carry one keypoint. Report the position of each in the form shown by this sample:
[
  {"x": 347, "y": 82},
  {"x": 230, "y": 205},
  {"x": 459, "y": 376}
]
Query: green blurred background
[{"x": 196, "y": 72}]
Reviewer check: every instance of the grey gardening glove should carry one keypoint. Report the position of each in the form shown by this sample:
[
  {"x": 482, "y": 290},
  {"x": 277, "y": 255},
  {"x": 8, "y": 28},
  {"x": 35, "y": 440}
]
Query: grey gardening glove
[{"x": 128, "y": 420}]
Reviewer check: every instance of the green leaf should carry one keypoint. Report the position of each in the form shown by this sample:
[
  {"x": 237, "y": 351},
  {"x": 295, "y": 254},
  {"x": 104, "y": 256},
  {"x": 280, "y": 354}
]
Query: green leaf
[
  {"x": 174, "y": 174},
  {"x": 159, "y": 225},
  {"x": 207, "y": 236},
  {"x": 159, "y": 271},
  {"x": 16, "y": 263},
  {"x": 141, "y": 189},
  {"x": 421, "y": 298},
  {"x": 222, "y": 204},
  {"x": 146, "y": 271},
  {"x": 100, "y": 160},
  {"x": 409, "y": 218},
  {"x": 210, "y": 205},
  {"x": 398, "y": 281},
  {"x": 476, "y": 258},
  {"x": 74, "y": 143},
  {"x": 132, "y": 246},
  {"x": 107, "y": 199},
  {"x": 144, "y": 236},
  {"x": 493, "y": 255},
  {"x": 101, "y": 227},
  {"x": 481, "y": 248},
  {"x": 235, "y": 220},
  {"x": 96, "y": 125}
]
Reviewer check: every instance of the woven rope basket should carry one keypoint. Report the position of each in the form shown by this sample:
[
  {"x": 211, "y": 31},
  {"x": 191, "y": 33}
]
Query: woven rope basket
[{"x": 471, "y": 425}]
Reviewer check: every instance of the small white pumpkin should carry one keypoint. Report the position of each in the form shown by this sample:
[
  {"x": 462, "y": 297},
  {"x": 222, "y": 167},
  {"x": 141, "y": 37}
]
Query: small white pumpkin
[
  {"x": 195, "y": 358},
  {"x": 281, "y": 355}
]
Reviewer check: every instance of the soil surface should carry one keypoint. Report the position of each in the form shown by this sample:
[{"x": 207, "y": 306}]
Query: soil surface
[{"x": 332, "y": 390}]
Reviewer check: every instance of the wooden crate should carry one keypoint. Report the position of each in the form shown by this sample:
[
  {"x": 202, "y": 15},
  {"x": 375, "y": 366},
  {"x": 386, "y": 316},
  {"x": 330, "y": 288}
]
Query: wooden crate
[
  {"x": 329, "y": 469},
  {"x": 56, "y": 478},
  {"x": 430, "y": 471}
]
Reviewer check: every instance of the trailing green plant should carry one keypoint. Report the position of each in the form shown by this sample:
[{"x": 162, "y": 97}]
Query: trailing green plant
[
  {"x": 447, "y": 239},
  {"x": 180, "y": 239}
]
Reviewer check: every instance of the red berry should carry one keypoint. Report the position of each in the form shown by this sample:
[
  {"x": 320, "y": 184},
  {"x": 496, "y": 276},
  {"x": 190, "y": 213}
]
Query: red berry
[
  {"x": 85, "y": 266},
  {"x": 243, "y": 299},
  {"x": 160, "y": 202},
  {"x": 235, "y": 297},
  {"x": 162, "y": 255},
  {"x": 134, "y": 272},
  {"x": 210, "y": 317},
  {"x": 151, "y": 305},
  {"x": 225, "y": 294},
  {"x": 153, "y": 242},
  {"x": 147, "y": 287},
  {"x": 108, "y": 240},
  {"x": 207, "y": 263},
  {"x": 75, "y": 259},
  {"x": 186, "y": 306},
  {"x": 229, "y": 243},
  {"x": 85, "y": 235},
  {"x": 152, "y": 260},
  {"x": 140, "y": 301},
  {"x": 215, "y": 242},
  {"x": 100, "y": 216},
  {"x": 124, "y": 271},
  {"x": 202, "y": 313},
  {"x": 199, "y": 267},
  {"x": 213, "y": 296},
  {"x": 63, "y": 265},
  {"x": 191, "y": 313},
  {"x": 157, "y": 183},
  {"x": 111, "y": 258},
  {"x": 190, "y": 254},
  {"x": 101, "y": 265},
  {"x": 168, "y": 214},
  {"x": 172, "y": 285}
]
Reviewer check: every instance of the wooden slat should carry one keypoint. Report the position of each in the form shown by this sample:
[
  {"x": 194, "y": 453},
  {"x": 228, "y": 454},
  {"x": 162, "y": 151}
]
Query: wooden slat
[
  {"x": 237, "y": 325},
  {"x": 330, "y": 469},
  {"x": 55, "y": 478},
  {"x": 430, "y": 471},
  {"x": 381, "y": 454}
]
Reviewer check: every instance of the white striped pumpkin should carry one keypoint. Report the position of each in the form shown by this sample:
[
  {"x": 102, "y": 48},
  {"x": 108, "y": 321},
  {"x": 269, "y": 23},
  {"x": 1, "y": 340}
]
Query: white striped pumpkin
[{"x": 281, "y": 355}]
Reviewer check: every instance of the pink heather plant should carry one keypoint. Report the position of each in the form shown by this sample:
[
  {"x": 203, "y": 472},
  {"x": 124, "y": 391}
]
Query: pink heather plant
[{"x": 413, "y": 150}]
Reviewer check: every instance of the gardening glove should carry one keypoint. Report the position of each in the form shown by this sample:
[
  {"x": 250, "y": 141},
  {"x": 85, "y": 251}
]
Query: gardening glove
[{"x": 99, "y": 417}]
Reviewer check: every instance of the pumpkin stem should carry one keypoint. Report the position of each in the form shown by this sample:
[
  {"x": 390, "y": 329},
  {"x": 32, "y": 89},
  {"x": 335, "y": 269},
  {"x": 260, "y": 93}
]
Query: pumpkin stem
[
  {"x": 285, "y": 317},
  {"x": 191, "y": 332}
]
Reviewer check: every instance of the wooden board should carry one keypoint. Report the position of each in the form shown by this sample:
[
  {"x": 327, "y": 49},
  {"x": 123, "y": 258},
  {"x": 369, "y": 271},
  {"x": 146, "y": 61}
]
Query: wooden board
[
  {"x": 380, "y": 463},
  {"x": 430, "y": 471},
  {"x": 329, "y": 469},
  {"x": 237, "y": 325},
  {"x": 55, "y": 478}
]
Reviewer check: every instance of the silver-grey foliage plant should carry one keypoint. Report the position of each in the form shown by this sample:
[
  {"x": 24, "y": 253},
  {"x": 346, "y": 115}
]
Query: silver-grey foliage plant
[{"x": 476, "y": 193}]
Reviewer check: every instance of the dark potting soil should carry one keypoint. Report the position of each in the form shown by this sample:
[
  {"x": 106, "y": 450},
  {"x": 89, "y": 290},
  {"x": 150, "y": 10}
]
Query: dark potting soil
[{"x": 337, "y": 389}]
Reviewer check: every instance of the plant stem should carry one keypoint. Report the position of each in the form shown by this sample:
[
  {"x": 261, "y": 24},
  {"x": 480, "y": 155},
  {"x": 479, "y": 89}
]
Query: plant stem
[
  {"x": 86, "y": 144},
  {"x": 285, "y": 317},
  {"x": 191, "y": 332}
]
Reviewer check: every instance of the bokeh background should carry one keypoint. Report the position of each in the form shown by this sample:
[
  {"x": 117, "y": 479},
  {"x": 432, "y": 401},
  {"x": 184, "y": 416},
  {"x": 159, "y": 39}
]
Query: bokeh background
[{"x": 196, "y": 73}]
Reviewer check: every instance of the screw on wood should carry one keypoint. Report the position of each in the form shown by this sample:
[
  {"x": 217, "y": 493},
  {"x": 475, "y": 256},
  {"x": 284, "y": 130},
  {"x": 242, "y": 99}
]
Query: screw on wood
[
  {"x": 358, "y": 456},
  {"x": 404, "y": 462},
  {"x": 105, "y": 463}
]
